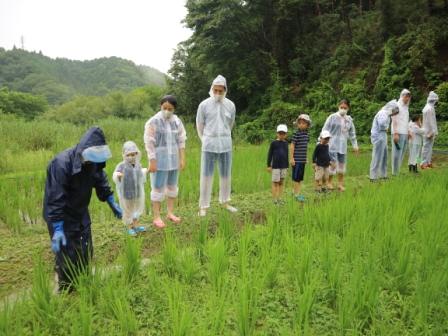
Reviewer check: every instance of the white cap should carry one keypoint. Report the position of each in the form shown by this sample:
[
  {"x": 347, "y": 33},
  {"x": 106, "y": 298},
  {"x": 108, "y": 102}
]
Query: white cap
[
  {"x": 282, "y": 128},
  {"x": 325, "y": 134}
]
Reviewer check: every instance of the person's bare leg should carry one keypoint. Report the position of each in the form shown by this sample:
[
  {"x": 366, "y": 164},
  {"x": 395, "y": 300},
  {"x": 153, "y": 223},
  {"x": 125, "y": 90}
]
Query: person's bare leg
[
  {"x": 274, "y": 191},
  {"x": 330, "y": 184},
  {"x": 340, "y": 179},
  {"x": 156, "y": 209},
  {"x": 296, "y": 188},
  {"x": 134, "y": 223},
  {"x": 170, "y": 206},
  {"x": 280, "y": 190}
]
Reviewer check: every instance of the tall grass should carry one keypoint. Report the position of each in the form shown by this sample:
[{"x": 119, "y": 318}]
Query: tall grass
[{"x": 371, "y": 260}]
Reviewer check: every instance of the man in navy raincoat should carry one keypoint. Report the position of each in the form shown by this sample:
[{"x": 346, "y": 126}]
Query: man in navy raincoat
[{"x": 71, "y": 177}]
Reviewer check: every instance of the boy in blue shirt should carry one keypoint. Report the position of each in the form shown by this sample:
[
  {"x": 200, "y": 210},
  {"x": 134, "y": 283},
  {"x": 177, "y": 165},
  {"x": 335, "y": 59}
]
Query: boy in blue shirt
[{"x": 278, "y": 163}]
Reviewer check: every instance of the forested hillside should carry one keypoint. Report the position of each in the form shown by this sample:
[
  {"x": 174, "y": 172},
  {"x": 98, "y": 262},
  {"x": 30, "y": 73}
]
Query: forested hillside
[
  {"x": 60, "y": 79},
  {"x": 284, "y": 57}
]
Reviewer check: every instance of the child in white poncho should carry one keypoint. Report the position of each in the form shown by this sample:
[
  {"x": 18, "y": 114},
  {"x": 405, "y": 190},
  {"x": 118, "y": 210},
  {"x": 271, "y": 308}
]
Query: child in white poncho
[{"x": 129, "y": 177}]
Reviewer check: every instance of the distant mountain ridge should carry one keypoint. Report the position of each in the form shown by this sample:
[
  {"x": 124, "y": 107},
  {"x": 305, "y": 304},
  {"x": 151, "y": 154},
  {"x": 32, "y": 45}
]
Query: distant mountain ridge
[{"x": 60, "y": 79}]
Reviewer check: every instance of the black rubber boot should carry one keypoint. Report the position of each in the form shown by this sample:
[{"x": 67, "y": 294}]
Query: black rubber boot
[{"x": 411, "y": 168}]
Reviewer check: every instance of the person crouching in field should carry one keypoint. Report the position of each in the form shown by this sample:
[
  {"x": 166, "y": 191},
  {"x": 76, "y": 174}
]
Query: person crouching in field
[
  {"x": 278, "y": 163},
  {"x": 322, "y": 162},
  {"x": 129, "y": 177},
  {"x": 415, "y": 143},
  {"x": 299, "y": 148},
  {"x": 71, "y": 176},
  {"x": 378, "y": 137}
]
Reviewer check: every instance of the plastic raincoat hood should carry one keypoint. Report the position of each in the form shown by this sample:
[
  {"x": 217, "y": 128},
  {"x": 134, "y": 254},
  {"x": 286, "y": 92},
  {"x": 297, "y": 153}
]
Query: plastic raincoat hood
[
  {"x": 220, "y": 80},
  {"x": 432, "y": 98}
]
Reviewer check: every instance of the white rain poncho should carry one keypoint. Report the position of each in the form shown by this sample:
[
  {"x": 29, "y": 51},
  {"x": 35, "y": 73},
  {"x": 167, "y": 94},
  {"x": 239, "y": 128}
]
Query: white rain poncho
[
  {"x": 214, "y": 121},
  {"x": 401, "y": 120},
  {"x": 429, "y": 114},
  {"x": 163, "y": 138},
  {"x": 131, "y": 193},
  {"x": 381, "y": 121},
  {"x": 400, "y": 126},
  {"x": 430, "y": 125},
  {"x": 341, "y": 128},
  {"x": 380, "y": 125},
  {"x": 415, "y": 144}
]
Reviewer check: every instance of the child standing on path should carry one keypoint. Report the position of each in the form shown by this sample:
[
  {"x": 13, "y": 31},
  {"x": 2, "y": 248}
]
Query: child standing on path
[
  {"x": 129, "y": 177},
  {"x": 299, "y": 147},
  {"x": 415, "y": 143},
  {"x": 165, "y": 137},
  {"x": 322, "y": 162},
  {"x": 278, "y": 163}
]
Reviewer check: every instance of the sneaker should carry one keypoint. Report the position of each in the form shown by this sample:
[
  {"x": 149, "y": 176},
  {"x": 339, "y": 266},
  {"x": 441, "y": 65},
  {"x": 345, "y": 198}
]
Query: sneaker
[
  {"x": 281, "y": 202},
  {"x": 140, "y": 229},
  {"x": 131, "y": 232},
  {"x": 430, "y": 165},
  {"x": 274, "y": 202},
  {"x": 317, "y": 191},
  {"x": 324, "y": 190},
  {"x": 300, "y": 198},
  {"x": 425, "y": 167}
]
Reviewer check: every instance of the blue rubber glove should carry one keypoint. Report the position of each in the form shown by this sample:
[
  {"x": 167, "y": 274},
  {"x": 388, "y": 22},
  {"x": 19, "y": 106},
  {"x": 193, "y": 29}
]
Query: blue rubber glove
[
  {"x": 58, "y": 237},
  {"x": 114, "y": 206}
]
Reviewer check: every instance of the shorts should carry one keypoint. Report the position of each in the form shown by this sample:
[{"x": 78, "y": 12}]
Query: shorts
[
  {"x": 278, "y": 174},
  {"x": 298, "y": 171},
  {"x": 161, "y": 178},
  {"x": 322, "y": 173}
]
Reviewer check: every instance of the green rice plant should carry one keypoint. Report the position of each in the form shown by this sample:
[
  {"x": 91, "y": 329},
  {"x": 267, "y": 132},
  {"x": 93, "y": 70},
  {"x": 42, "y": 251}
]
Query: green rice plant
[
  {"x": 247, "y": 308},
  {"x": 44, "y": 303},
  {"x": 217, "y": 308},
  {"x": 188, "y": 264},
  {"x": 218, "y": 263},
  {"x": 331, "y": 267},
  {"x": 200, "y": 239},
  {"x": 428, "y": 291},
  {"x": 85, "y": 314},
  {"x": 403, "y": 268},
  {"x": 180, "y": 312},
  {"x": 268, "y": 261},
  {"x": 226, "y": 227},
  {"x": 7, "y": 326},
  {"x": 299, "y": 256},
  {"x": 170, "y": 253},
  {"x": 305, "y": 297},
  {"x": 132, "y": 258},
  {"x": 244, "y": 250},
  {"x": 113, "y": 303}
]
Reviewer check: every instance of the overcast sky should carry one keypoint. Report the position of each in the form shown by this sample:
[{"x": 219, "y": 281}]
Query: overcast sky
[{"x": 143, "y": 31}]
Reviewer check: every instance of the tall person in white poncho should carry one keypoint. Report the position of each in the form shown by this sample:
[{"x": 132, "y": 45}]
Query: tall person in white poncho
[
  {"x": 430, "y": 125},
  {"x": 164, "y": 138},
  {"x": 214, "y": 121},
  {"x": 400, "y": 131},
  {"x": 129, "y": 177}
]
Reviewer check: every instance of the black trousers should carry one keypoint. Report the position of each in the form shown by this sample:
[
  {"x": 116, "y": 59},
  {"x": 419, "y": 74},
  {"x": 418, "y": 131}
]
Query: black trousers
[{"x": 74, "y": 258}]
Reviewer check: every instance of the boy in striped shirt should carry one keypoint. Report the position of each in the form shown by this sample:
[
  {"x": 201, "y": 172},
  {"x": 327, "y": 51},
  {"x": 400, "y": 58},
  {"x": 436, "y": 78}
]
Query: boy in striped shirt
[{"x": 298, "y": 151}]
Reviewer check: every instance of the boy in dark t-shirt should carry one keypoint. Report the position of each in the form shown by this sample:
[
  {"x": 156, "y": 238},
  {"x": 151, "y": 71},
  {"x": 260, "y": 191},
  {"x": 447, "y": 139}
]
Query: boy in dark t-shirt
[
  {"x": 322, "y": 162},
  {"x": 278, "y": 163}
]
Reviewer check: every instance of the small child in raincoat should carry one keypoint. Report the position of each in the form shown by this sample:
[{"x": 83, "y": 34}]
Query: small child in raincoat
[{"x": 129, "y": 177}]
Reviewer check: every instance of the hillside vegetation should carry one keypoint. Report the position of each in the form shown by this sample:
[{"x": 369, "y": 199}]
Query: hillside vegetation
[
  {"x": 284, "y": 57},
  {"x": 61, "y": 79}
]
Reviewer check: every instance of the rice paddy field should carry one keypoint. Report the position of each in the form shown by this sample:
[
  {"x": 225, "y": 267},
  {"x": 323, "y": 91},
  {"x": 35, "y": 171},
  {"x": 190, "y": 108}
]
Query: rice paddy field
[{"x": 368, "y": 261}]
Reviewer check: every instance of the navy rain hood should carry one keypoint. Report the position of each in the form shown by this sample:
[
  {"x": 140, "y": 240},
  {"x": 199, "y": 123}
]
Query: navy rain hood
[{"x": 69, "y": 184}]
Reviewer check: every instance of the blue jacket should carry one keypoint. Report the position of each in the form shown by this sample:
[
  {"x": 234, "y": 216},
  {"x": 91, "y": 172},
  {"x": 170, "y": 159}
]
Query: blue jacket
[{"x": 69, "y": 184}]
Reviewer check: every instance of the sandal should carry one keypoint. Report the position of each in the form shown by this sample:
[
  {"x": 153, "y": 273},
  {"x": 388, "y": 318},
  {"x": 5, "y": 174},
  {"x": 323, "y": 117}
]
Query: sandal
[
  {"x": 232, "y": 209},
  {"x": 330, "y": 187},
  {"x": 174, "y": 219},
  {"x": 341, "y": 188},
  {"x": 202, "y": 213},
  {"x": 159, "y": 224}
]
